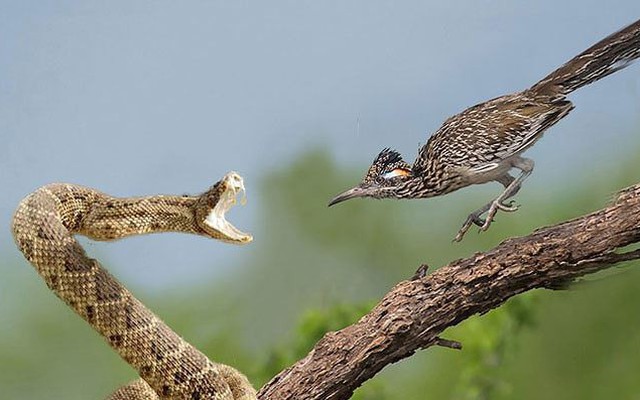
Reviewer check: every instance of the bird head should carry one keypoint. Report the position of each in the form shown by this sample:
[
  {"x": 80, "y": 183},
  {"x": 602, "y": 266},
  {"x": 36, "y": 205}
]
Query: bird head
[{"x": 387, "y": 174}]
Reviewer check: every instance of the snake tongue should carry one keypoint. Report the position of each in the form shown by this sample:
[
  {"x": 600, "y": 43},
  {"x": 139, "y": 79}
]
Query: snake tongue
[{"x": 216, "y": 217}]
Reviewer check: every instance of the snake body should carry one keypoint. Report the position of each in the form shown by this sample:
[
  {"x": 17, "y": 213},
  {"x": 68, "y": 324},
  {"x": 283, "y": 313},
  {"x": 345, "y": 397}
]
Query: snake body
[{"x": 43, "y": 227}]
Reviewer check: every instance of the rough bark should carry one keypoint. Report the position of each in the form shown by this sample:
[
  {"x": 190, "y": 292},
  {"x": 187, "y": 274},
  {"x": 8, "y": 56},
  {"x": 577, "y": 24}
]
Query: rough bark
[{"x": 412, "y": 315}]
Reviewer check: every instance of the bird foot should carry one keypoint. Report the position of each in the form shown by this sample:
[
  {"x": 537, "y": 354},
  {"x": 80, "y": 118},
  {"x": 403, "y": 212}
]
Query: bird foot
[
  {"x": 493, "y": 209},
  {"x": 475, "y": 217},
  {"x": 508, "y": 207}
]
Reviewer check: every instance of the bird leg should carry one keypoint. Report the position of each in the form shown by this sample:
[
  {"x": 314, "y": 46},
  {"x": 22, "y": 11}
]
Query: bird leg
[
  {"x": 512, "y": 186},
  {"x": 498, "y": 204}
]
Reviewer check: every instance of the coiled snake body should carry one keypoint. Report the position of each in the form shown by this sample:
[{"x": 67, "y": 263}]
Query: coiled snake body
[{"x": 170, "y": 368}]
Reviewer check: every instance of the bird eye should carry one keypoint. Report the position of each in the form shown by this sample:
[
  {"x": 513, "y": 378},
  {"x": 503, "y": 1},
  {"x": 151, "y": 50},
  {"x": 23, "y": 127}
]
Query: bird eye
[{"x": 396, "y": 172}]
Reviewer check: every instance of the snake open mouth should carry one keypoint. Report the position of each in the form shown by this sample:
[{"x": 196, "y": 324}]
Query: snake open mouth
[{"x": 234, "y": 185}]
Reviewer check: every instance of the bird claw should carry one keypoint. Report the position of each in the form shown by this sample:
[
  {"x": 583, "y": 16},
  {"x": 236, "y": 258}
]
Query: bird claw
[
  {"x": 461, "y": 233},
  {"x": 484, "y": 223},
  {"x": 465, "y": 227},
  {"x": 473, "y": 219},
  {"x": 508, "y": 207},
  {"x": 495, "y": 206}
]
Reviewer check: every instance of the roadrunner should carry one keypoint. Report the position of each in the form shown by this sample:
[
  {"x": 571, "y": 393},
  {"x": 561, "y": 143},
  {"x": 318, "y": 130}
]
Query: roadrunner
[{"x": 484, "y": 142}]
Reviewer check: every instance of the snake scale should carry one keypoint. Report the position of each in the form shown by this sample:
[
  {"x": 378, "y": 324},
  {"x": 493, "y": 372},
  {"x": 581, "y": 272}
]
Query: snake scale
[{"x": 44, "y": 225}]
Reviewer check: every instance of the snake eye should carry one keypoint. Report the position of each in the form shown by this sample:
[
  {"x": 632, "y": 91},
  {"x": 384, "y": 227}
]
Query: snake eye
[{"x": 395, "y": 173}]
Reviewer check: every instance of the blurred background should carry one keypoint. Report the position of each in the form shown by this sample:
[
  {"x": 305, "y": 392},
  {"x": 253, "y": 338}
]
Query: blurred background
[{"x": 138, "y": 98}]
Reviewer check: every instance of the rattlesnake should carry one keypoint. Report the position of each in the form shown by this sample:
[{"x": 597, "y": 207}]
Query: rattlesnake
[{"x": 170, "y": 368}]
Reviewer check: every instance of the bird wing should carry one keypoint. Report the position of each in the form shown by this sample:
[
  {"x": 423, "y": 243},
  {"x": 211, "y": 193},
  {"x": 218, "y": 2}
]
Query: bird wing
[{"x": 482, "y": 136}]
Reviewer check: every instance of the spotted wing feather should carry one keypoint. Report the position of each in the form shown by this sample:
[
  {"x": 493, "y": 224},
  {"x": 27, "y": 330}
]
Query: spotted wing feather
[{"x": 482, "y": 136}]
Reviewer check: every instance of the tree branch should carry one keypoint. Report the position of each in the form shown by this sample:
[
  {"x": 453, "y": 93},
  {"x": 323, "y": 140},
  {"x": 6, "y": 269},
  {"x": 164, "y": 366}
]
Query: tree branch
[{"x": 412, "y": 315}]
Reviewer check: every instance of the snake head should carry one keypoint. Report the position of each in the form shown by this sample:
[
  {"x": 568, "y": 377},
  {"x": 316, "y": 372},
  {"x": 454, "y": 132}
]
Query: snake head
[{"x": 214, "y": 203}]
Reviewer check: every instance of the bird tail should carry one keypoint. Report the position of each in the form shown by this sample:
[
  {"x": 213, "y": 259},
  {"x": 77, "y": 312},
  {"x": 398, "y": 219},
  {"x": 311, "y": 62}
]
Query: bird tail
[{"x": 609, "y": 55}]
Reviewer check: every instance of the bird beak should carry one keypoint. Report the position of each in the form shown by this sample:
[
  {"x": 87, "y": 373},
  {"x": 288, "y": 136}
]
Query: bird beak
[{"x": 349, "y": 194}]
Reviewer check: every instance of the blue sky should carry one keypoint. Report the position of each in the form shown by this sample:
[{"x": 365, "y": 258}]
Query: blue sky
[{"x": 166, "y": 97}]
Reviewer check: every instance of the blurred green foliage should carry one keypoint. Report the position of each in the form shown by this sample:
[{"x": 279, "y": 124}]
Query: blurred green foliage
[
  {"x": 314, "y": 269},
  {"x": 311, "y": 328},
  {"x": 488, "y": 340}
]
